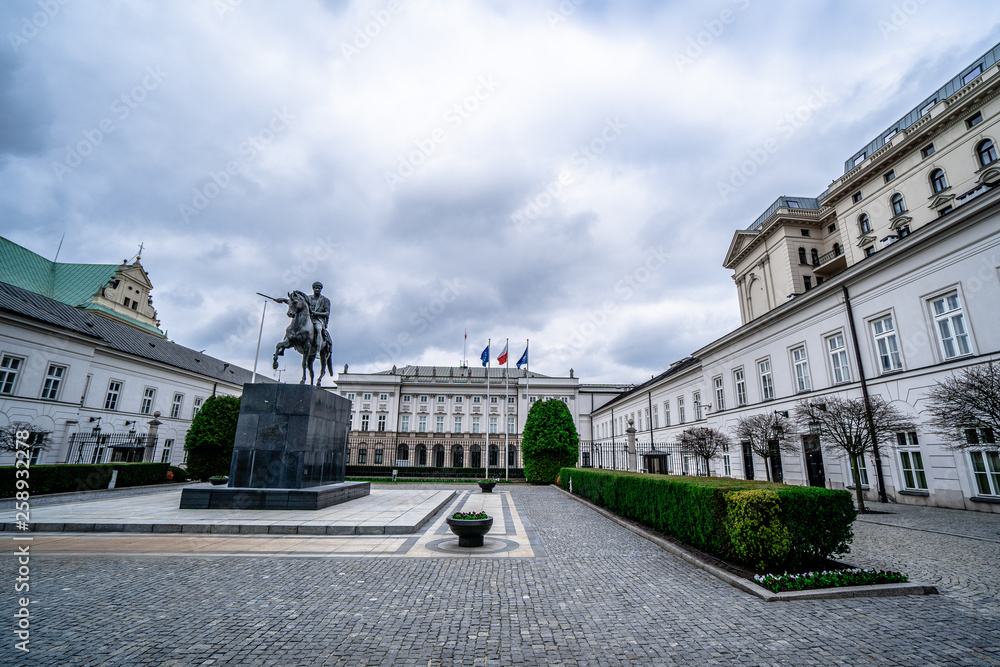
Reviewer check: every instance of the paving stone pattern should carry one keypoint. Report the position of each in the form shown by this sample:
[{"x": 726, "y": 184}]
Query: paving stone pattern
[{"x": 600, "y": 595}]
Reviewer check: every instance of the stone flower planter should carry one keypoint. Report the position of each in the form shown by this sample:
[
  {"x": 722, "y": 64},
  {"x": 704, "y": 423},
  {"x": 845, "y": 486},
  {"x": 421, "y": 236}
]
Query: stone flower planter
[
  {"x": 218, "y": 481},
  {"x": 470, "y": 531},
  {"x": 487, "y": 485}
]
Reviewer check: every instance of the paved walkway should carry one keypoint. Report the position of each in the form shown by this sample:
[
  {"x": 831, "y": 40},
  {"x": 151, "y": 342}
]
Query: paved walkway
[{"x": 585, "y": 591}]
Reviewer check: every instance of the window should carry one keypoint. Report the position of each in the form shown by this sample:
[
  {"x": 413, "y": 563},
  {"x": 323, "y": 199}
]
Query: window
[
  {"x": 493, "y": 425},
  {"x": 938, "y": 182},
  {"x": 477, "y": 399},
  {"x": 458, "y": 399},
  {"x": 406, "y": 399},
  {"x": 367, "y": 397},
  {"x": 494, "y": 399},
  {"x": 440, "y": 399},
  {"x": 511, "y": 400},
  {"x": 378, "y": 456},
  {"x": 898, "y": 206},
  {"x": 167, "y": 446},
  {"x": 889, "y": 135},
  {"x": 196, "y": 408},
  {"x": 175, "y": 407},
  {"x": 766, "y": 383},
  {"x": 804, "y": 232},
  {"x": 364, "y": 422},
  {"x": 793, "y": 203},
  {"x": 986, "y": 151},
  {"x": 656, "y": 416},
  {"x": 439, "y": 424},
  {"x": 362, "y": 456},
  {"x": 927, "y": 150},
  {"x": 864, "y": 224},
  {"x": 974, "y": 120},
  {"x": 720, "y": 396},
  {"x": 458, "y": 424},
  {"x": 9, "y": 367},
  {"x": 801, "y": 365},
  {"x": 404, "y": 423},
  {"x": 511, "y": 425},
  {"x": 838, "y": 359},
  {"x": 639, "y": 423},
  {"x": 802, "y": 256},
  {"x": 564, "y": 399},
  {"x": 383, "y": 397},
  {"x": 727, "y": 468},
  {"x": 858, "y": 159},
  {"x": 475, "y": 424},
  {"x": 976, "y": 71},
  {"x": 870, "y": 250},
  {"x": 532, "y": 399},
  {"x": 950, "y": 324},
  {"x": 422, "y": 424},
  {"x": 856, "y": 197},
  {"x": 911, "y": 462},
  {"x": 814, "y": 255},
  {"x": 146, "y": 406},
  {"x": 986, "y": 470},
  {"x": 739, "y": 380},
  {"x": 927, "y": 107},
  {"x": 980, "y": 436},
  {"x": 666, "y": 413},
  {"x": 807, "y": 282},
  {"x": 696, "y": 399},
  {"x": 862, "y": 471},
  {"x": 888, "y": 176},
  {"x": 888, "y": 347},
  {"x": 680, "y": 409},
  {"x": 381, "y": 422},
  {"x": 53, "y": 379},
  {"x": 423, "y": 399},
  {"x": 114, "y": 391}
]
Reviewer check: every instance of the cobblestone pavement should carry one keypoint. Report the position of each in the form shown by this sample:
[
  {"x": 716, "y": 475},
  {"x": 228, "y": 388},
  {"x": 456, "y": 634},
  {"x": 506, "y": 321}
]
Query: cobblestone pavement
[{"x": 600, "y": 595}]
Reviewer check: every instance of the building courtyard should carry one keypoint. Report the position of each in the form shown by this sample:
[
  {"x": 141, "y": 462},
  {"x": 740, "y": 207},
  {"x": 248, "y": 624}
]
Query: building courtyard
[{"x": 571, "y": 587}]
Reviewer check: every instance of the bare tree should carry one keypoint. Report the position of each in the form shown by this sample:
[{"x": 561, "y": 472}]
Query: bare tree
[
  {"x": 965, "y": 408},
  {"x": 35, "y": 437},
  {"x": 704, "y": 442},
  {"x": 767, "y": 434},
  {"x": 844, "y": 428}
]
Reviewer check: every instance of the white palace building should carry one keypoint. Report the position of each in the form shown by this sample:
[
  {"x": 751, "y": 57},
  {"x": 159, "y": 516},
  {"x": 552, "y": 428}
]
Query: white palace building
[{"x": 906, "y": 242}]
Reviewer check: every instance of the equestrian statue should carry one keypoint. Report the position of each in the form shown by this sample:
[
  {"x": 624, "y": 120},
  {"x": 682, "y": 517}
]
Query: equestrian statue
[{"x": 307, "y": 333}]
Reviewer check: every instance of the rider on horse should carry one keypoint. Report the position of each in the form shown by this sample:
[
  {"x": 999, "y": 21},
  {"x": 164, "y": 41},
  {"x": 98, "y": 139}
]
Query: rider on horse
[{"x": 319, "y": 313}]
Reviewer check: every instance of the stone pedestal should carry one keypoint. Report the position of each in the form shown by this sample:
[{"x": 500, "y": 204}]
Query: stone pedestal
[{"x": 290, "y": 452}]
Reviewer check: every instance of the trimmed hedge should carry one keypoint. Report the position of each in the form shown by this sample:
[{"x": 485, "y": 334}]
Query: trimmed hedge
[
  {"x": 549, "y": 442},
  {"x": 695, "y": 511},
  {"x": 64, "y": 478}
]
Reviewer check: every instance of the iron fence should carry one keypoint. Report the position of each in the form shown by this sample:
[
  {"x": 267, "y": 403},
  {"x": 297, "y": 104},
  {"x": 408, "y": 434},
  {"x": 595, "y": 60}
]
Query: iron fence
[{"x": 97, "y": 447}]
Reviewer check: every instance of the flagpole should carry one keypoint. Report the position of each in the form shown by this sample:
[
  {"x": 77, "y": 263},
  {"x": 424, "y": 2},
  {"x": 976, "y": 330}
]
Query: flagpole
[
  {"x": 488, "y": 342},
  {"x": 506, "y": 429},
  {"x": 465, "y": 348}
]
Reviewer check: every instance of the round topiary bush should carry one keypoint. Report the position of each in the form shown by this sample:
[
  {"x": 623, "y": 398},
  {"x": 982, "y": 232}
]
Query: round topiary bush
[
  {"x": 550, "y": 441},
  {"x": 209, "y": 441}
]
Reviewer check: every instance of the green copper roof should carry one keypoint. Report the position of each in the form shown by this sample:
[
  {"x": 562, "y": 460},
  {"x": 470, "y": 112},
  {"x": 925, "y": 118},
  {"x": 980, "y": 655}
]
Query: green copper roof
[{"x": 72, "y": 284}]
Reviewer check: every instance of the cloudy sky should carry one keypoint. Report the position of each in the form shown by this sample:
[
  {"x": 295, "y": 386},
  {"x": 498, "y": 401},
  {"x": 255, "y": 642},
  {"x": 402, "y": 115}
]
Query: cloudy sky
[{"x": 568, "y": 172}]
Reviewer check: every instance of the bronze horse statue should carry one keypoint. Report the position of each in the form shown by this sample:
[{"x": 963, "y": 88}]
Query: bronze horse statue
[{"x": 300, "y": 336}]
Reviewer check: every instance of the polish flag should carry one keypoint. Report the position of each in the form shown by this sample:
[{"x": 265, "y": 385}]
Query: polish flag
[{"x": 502, "y": 359}]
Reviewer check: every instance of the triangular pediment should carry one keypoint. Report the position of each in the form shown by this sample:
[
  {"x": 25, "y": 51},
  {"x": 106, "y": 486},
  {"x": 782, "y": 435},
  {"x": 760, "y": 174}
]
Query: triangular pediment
[
  {"x": 941, "y": 200},
  {"x": 866, "y": 239},
  {"x": 741, "y": 239}
]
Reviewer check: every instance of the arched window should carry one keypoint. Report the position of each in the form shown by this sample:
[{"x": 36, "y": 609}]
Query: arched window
[
  {"x": 457, "y": 457},
  {"x": 938, "y": 181},
  {"x": 421, "y": 455},
  {"x": 475, "y": 457},
  {"x": 402, "y": 453},
  {"x": 836, "y": 250},
  {"x": 987, "y": 152},
  {"x": 512, "y": 457},
  {"x": 802, "y": 255},
  {"x": 898, "y": 207},
  {"x": 439, "y": 456},
  {"x": 864, "y": 224},
  {"x": 815, "y": 256},
  {"x": 494, "y": 456}
]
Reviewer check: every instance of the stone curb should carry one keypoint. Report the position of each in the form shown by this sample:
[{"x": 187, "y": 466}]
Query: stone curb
[
  {"x": 232, "y": 529},
  {"x": 877, "y": 590}
]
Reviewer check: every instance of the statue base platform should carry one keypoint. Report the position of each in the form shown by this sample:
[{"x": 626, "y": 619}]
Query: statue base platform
[{"x": 312, "y": 498}]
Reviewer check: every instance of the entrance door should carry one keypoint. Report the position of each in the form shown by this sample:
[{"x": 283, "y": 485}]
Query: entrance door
[
  {"x": 777, "y": 475},
  {"x": 747, "y": 460},
  {"x": 814, "y": 460}
]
